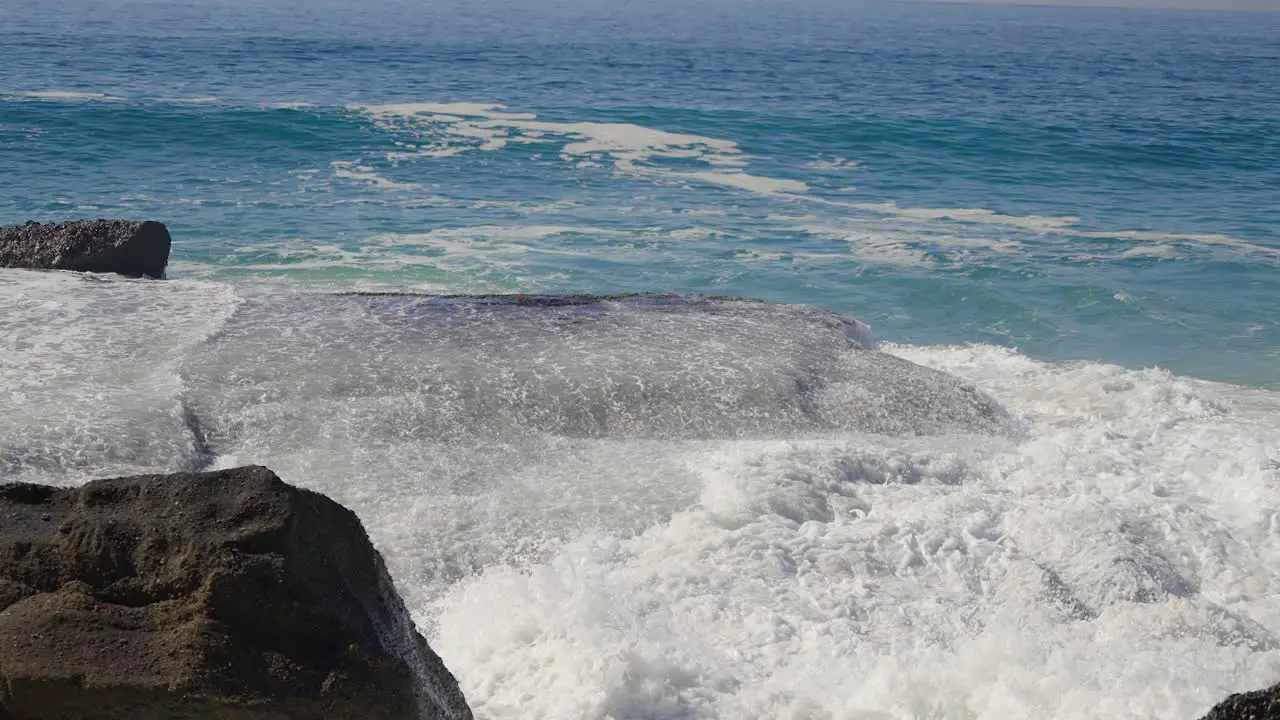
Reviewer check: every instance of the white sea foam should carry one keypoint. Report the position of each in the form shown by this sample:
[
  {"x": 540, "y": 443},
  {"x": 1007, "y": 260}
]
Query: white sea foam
[
  {"x": 718, "y": 510},
  {"x": 1164, "y": 252},
  {"x": 495, "y": 233},
  {"x": 1157, "y": 243},
  {"x": 970, "y": 215},
  {"x": 366, "y": 174},
  {"x": 1066, "y": 225},
  {"x": 696, "y": 233},
  {"x": 868, "y": 244},
  {"x": 69, "y": 95},
  {"x": 489, "y": 248},
  {"x": 884, "y": 243},
  {"x": 485, "y": 258},
  {"x": 440, "y": 152},
  {"x": 881, "y": 249},
  {"x": 523, "y": 206},
  {"x": 1119, "y": 563},
  {"x": 835, "y": 163},
  {"x": 448, "y": 129},
  {"x": 1170, "y": 246},
  {"x": 444, "y": 130},
  {"x": 484, "y": 110},
  {"x": 89, "y": 373},
  {"x": 744, "y": 181},
  {"x": 148, "y": 198},
  {"x": 1191, "y": 239},
  {"x": 882, "y": 237}
]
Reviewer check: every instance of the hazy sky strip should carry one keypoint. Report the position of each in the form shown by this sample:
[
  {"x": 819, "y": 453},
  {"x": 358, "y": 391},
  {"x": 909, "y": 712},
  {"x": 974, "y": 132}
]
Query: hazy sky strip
[{"x": 1230, "y": 5}]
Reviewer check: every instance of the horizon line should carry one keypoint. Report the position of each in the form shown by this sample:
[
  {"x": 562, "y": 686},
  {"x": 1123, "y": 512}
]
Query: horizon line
[{"x": 1109, "y": 5}]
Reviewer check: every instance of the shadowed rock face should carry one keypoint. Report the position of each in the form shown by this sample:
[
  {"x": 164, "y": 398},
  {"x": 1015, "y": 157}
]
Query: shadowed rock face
[
  {"x": 1256, "y": 705},
  {"x": 126, "y": 247},
  {"x": 210, "y": 595}
]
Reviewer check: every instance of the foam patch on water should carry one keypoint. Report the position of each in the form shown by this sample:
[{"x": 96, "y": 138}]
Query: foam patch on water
[
  {"x": 427, "y": 132},
  {"x": 353, "y": 171},
  {"x": 514, "y": 234},
  {"x": 966, "y": 236},
  {"x": 1189, "y": 239},
  {"x": 875, "y": 241},
  {"x": 745, "y": 181},
  {"x": 484, "y": 110},
  {"x": 879, "y": 248},
  {"x": 435, "y": 131},
  {"x": 1162, "y": 252},
  {"x": 1066, "y": 225},
  {"x": 66, "y": 95},
  {"x": 969, "y": 215},
  {"x": 835, "y": 163},
  {"x": 483, "y": 258},
  {"x": 448, "y": 129}
]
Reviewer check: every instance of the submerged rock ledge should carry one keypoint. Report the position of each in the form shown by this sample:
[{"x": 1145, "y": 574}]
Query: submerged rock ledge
[
  {"x": 127, "y": 247},
  {"x": 227, "y": 594}
]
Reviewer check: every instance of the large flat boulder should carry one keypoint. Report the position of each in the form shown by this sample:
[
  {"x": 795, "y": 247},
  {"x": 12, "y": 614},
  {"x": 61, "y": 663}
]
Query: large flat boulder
[
  {"x": 1256, "y": 705},
  {"x": 580, "y": 366},
  {"x": 203, "y": 595},
  {"x": 126, "y": 247}
]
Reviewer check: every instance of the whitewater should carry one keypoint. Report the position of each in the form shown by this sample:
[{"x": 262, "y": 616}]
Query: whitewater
[{"x": 681, "y": 507}]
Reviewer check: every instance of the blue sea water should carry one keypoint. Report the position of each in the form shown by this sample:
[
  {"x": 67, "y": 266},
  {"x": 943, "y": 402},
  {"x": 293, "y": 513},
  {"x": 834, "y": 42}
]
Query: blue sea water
[
  {"x": 680, "y": 508},
  {"x": 1078, "y": 184}
]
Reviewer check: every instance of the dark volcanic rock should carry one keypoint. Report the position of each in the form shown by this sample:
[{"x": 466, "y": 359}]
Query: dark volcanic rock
[
  {"x": 1256, "y": 705},
  {"x": 126, "y": 247},
  {"x": 207, "y": 595}
]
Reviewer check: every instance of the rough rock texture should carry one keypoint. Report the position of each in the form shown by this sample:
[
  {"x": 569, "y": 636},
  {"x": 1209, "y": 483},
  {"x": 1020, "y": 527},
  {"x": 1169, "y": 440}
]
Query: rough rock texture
[
  {"x": 1256, "y": 705},
  {"x": 205, "y": 595},
  {"x": 126, "y": 247}
]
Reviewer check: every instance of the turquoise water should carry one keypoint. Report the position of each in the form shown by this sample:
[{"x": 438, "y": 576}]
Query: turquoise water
[{"x": 1077, "y": 184}]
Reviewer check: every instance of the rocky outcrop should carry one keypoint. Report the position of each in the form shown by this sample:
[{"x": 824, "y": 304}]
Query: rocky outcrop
[
  {"x": 215, "y": 595},
  {"x": 126, "y": 247},
  {"x": 1256, "y": 705}
]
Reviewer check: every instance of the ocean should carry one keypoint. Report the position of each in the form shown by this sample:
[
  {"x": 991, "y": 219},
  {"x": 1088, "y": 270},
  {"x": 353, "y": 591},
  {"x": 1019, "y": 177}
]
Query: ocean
[{"x": 666, "y": 507}]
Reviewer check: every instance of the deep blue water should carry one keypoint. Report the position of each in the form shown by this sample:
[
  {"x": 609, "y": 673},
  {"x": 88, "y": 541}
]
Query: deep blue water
[{"x": 1079, "y": 184}]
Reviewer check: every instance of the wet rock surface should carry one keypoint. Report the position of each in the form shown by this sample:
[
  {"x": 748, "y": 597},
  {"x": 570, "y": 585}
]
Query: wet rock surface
[
  {"x": 214, "y": 595},
  {"x": 1256, "y": 705},
  {"x": 127, "y": 247}
]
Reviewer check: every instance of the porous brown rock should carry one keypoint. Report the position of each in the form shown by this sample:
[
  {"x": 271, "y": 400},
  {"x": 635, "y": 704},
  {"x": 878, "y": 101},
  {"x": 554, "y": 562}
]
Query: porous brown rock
[
  {"x": 227, "y": 595},
  {"x": 126, "y": 247}
]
